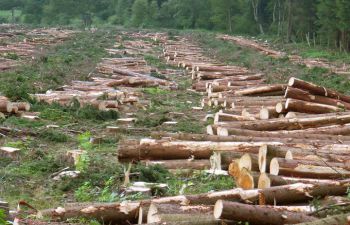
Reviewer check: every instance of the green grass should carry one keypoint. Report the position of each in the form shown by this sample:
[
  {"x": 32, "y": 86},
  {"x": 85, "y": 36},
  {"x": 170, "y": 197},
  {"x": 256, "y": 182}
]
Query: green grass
[{"x": 72, "y": 60}]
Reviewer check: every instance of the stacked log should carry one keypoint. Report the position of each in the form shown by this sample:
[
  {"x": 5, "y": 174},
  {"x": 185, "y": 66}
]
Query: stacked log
[{"x": 266, "y": 50}]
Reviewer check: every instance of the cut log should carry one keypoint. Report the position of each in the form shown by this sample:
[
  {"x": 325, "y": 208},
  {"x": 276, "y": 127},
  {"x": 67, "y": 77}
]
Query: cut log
[
  {"x": 268, "y": 113},
  {"x": 5, "y": 106},
  {"x": 245, "y": 180},
  {"x": 303, "y": 95},
  {"x": 300, "y": 192},
  {"x": 317, "y": 90},
  {"x": 181, "y": 164},
  {"x": 258, "y": 214},
  {"x": 268, "y": 89},
  {"x": 295, "y": 124},
  {"x": 105, "y": 212},
  {"x": 165, "y": 149},
  {"x": 308, "y": 169},
  {"x": 172, "y": 213},
  {"x": 310, "y": 107}
]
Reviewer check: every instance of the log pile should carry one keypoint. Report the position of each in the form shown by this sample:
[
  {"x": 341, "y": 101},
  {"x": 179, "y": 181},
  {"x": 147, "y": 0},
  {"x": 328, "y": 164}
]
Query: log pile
[
  {"x": 308, "y": 62},
  {"x": 283, "y": 144},
  {"x": 118, "y": 85},
  {"x": 8, "y": 108}
]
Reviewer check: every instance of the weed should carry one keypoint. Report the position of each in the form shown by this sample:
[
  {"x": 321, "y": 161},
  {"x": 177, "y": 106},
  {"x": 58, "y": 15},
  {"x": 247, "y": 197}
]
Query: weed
[
  {"x": 84, "y": 193},
  {"x": 23, "y": 123},
  {"x": 155, "y": 91},
  {"x": 83, "y": 162},
  {"x": 84, "y": 141},
  {"x": 153, "y": 174},
  {"x": 54, "y": 136},
  {"x": 11, "y": 55},
  {"x": 3, "y": 217}
]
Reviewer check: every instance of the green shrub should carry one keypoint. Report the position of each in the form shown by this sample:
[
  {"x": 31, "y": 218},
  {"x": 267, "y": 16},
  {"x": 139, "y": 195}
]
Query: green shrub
[{"x": 54, "y": 136}]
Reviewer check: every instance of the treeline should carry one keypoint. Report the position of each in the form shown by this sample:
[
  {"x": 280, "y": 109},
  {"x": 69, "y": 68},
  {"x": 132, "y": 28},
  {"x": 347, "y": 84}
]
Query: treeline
[{"x": 325, "y": 22}]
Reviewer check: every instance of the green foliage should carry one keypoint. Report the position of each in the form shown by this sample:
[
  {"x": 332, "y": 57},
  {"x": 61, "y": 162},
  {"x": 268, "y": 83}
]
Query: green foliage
[
  {"x": 84, "y": 193},
  {"x": 84, "y": 141},
  {"x": 153, "y": 174},
  {"x": 155, "y": 91},
  {"x": 3, "y": 218},
  {"x": 54, "y": 136},
  {"x": 83, "y": 162}
]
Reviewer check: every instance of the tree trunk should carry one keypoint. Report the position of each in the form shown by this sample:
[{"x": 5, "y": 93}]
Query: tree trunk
[
  {"x": 268, "y": 89},
  {"x": 300, "y": 192},
  {"x": 105, "y": 212},
  {"x": 166, "y": 150},
  {"x": 308, "y": 169},
  {"x": 310, "y": 107},
  {"x": 294, "y": 124},
  {"x": 201, "y": 164},
  {"x": 317, "y": 90},
  {"x": 258, "y": 214},
  {"x": 306, "y": 96},
  {"x": 172, "y": 213}
]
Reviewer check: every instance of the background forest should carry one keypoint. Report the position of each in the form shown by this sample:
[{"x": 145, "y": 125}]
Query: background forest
[{"x": 324, "y": 22}]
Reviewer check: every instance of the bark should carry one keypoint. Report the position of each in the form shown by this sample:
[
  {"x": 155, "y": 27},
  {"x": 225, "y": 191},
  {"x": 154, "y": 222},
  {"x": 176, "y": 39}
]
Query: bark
[
  {"x": 296, "y": 123},
  {"x": 22, "y": 106},
  {"x": 310, "y": 107},
  {"x": 221, "y": 117},
  {"x": 181, "y": 164},
  {"x": 165, "y": 149},
  {"x": 303, "y": 95},
  {"x": 105, "y": 212},
  {"x": 268, "y": 89},
  {"x": 283, "y": 134},
  {"x": 309, "y": 169},
  {"x": 172, "y": 213},
  {"x": 317, "y": 90},
  {"x": 258, "y": 214},
  {"x": 300, "y": 192}
]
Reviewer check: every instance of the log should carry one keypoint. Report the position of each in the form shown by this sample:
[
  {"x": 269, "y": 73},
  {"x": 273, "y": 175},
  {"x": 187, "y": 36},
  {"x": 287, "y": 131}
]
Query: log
[
  {"x": 284, "y": 134},
  {"x": 275, "y": 180},
  {"x": 268, "y": 113},
  {"x": 317, "y": 90},
  {"x": 105, "y": 212},
  {"x": 273, "y": 89},
  {"x": 22, "y": 106},
  {"x": 5, "y": 106},
  {"x": 300, "y": 192},
  {"x": 303, "y": 95},
  {"x": 172, "y": 213},
  {"x": 308, "y": 169},
  {"x": 309, "y": 107},
  {"x": 295, "y": 123},
  {"x": 180, "y": 164},
  {"x": 258, "y": 214},
  {"x": 165, "y": 149}
]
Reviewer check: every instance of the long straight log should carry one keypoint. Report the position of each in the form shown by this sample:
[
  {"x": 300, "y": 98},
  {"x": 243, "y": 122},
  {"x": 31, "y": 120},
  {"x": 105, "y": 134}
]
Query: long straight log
[
  {"x": 308, "y": 169},
  {"x": 295, "y": 123},
  {"x": 259, "y": 214},
  {"x": 201, "y": 164},
  {"x": 173, "y": 212},
  {"x": 300, "y": 192},
  {"x": 261, "y": 90},
  {"x": 165, "y": 149},
  {"x": 282, "y": 134},
  {"x": 317, "y": 90},
  {"x": 303, "y": 95},
  {"x": 310, "y": 107}
]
